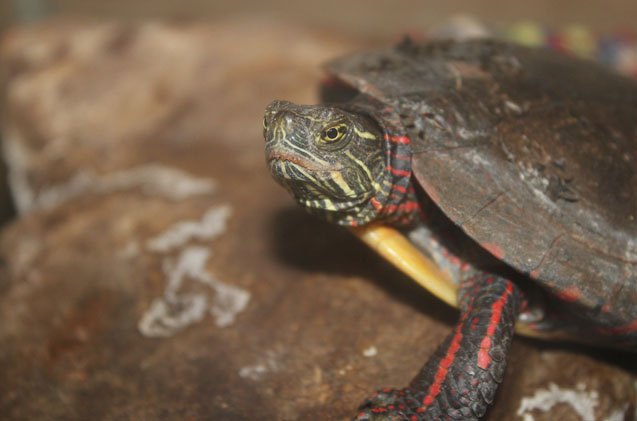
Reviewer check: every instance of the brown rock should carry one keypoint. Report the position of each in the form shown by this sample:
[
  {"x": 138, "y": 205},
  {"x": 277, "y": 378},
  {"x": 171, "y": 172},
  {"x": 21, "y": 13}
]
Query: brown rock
[{"x": 157, "y": 272}]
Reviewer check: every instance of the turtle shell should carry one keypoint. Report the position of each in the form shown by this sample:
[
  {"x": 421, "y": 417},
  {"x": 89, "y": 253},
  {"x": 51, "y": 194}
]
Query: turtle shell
[{"x": 532, "y": 153}]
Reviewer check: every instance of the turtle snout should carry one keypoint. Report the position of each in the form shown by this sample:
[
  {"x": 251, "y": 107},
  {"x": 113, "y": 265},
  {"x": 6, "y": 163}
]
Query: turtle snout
[
  {"x": 285, "y": 119},
  {"x": 271, "y": 115},
  {"x": 286, "y": 130},
  {"x": 277, "y": 105}
]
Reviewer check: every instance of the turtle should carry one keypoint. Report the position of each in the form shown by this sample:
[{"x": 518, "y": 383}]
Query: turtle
[{"x": 501, "y": 177}]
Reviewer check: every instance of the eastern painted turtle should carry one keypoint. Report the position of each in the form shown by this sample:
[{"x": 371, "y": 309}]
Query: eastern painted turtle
[{"x": 477, "y": 147}]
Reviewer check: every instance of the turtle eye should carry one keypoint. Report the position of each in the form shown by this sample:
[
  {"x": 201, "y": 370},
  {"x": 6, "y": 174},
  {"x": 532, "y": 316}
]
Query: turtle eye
[{"x": 334, "y": 133}]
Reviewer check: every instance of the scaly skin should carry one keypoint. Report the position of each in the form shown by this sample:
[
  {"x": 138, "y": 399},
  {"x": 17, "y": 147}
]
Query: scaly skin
[
  {"x": 460, "y": 380},
  {"x": 351, "y": 165}
]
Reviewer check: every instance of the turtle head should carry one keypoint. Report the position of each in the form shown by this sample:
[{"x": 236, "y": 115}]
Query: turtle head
[{"x": 331, "y": 159}]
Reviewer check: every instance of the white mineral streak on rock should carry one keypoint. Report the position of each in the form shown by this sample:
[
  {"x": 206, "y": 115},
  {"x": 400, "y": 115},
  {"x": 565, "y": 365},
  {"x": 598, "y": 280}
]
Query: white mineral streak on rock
[
  {"x": 82, "y": 182},
  {"x": 582, "y": 401},
  {"x": 167, "y": 316},
  {"x": 512, "y": 106},
  {"x": 372, "y": 351},
  {"x": 209, "y": 227},
  {"x": 151, "y": 179},
  {"x": 178, "y": 309},
  {"x": 158, "y": 180},
  {"x": 257, "y": 371},
  {"x": 229, "y": 300},
  {"x": 253, "y": 372},
  {"x": 16, "y": 158},
  {"x": 618, "y": 415}
]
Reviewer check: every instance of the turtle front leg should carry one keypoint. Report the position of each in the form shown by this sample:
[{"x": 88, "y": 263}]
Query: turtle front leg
[{"x": 460, "y": 380}]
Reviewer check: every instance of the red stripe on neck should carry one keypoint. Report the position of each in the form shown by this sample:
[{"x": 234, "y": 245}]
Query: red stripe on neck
[
  {"x": 399, "y": 188},
  {"x": 376, "y": 204},
  {"x": 398, "y": 172},
  {"x": 398, "y": 139}
]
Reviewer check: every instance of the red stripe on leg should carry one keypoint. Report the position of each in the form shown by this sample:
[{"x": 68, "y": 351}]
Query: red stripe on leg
[
  {"x": 443, "y": 368},
  {"x": 484, "y": 359}
]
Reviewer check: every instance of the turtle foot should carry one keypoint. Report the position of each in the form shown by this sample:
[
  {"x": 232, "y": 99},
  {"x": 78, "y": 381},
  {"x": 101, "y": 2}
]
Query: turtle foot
[{"x": 460, "y": 380}]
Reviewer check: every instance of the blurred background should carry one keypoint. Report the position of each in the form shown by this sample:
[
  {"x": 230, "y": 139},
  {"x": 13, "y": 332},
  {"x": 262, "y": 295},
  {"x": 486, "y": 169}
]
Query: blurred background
[{"x": 386, "y": 18}]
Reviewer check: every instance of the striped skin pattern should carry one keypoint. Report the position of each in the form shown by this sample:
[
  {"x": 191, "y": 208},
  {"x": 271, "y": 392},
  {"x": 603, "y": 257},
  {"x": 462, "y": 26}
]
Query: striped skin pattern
[
  {"x": 461, "y": 378},
  {"x": 363, "y": 176},
  {"x": 351, "y": 165}
]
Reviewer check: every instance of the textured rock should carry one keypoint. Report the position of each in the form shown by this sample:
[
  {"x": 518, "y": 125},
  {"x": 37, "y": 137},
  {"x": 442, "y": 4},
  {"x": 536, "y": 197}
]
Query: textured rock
[{"x": 156, "y": 272}]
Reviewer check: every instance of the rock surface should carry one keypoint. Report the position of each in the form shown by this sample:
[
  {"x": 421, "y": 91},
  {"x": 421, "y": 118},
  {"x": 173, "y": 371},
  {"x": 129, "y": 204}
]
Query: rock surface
[{"x": 156, "y": 272}]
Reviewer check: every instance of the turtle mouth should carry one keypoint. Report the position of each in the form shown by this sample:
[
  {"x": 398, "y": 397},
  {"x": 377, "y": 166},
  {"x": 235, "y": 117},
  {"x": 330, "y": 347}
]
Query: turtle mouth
[
  {"x": 275, "y": 157},
  {"x": 307, "y": 180}
]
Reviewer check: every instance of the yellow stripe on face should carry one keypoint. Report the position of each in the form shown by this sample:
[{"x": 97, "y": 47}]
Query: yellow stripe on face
[
  {"x": 281, "y": 127},
  {"x": 314, "y": 182},
  {"x": 305, "y": 153},
  {"x": 340, "y": 181},
  {"x": 361, "y": 164},
  {"x": 284, "y": 171},
  {"x": 365, "y": 135},
  {"x": 314, "y": 190},
  {"x": 305, "y": 173}
]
